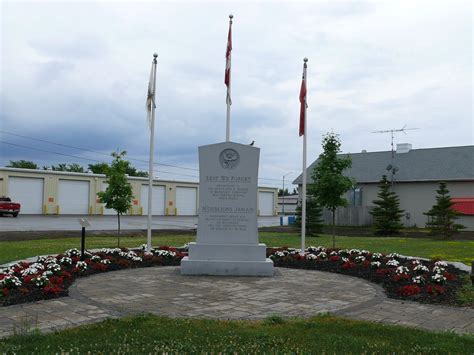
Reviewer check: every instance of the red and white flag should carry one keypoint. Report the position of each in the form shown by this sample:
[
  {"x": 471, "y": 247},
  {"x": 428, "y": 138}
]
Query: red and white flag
[
  {"x": 227, "y": 61},
  {"x": 303, "y": 104}
]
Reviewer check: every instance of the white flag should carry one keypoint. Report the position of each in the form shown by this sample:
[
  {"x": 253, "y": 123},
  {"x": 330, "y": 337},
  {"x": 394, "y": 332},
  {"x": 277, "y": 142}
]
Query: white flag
[{"x": 150, "y": 100}]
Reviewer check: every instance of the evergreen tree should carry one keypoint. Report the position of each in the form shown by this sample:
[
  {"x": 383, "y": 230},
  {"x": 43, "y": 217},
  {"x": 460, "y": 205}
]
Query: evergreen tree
[
  {"x": 118, "y": 194},
  {"x": 329, "y": 182},
  {"x": 441, "y": 217},
  {"x": 387, "y": 213},
  {"x": 314, "y": 222}
]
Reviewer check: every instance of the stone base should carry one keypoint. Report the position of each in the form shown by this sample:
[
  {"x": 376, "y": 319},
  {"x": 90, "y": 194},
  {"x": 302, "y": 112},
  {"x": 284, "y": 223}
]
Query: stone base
[{"x": 227, "y": 268}]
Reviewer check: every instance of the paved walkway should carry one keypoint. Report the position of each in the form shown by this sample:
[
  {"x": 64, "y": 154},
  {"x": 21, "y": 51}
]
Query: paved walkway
[{"x": 163, "y": 291}]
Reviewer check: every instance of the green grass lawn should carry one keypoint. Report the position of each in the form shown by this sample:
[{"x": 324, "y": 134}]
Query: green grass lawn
[
  {"x": 429, "y": 248},
  {"x": 322, "y": 334}
]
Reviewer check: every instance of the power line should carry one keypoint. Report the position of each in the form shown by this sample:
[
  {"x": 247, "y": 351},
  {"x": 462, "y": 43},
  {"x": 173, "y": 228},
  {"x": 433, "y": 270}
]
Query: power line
[
  {"x": 102, "y": 153},
  {"x": 95, "y": 160},
  {"x": 87, "y": 159},
  {"x": 93, "y": 151}
]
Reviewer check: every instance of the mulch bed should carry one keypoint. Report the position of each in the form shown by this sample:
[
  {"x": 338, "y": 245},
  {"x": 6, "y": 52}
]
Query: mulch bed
[
  {"x": 50, "y": 277},
  {"x": 431, "y": 281}
]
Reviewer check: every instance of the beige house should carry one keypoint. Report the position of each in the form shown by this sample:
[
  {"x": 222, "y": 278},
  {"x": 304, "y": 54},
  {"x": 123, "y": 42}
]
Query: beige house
[
  {"x": 416, "y": 177},
  {"x": 61, "y": 193}
]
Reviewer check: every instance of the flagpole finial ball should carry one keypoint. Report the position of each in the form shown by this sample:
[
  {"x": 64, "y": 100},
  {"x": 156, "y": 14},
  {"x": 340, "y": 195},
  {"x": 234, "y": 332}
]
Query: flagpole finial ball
[
  {"x": 231, "y": 16},
  {"x": 305, "y": 59},
  {"x": 155, "y": 55}
]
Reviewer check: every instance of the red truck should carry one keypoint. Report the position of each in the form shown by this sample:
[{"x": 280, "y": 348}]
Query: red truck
[{"x": 9, "y": 207}]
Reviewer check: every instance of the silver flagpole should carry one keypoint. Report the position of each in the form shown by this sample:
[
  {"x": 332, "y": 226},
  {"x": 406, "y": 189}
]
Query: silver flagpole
[
  {"x": 303, "y": 202},
  {"x": 152, "y": 148},
  {"x": 228, "y": 99}
]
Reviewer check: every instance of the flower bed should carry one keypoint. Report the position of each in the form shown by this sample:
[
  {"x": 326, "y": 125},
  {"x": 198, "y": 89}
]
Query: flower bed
[
  {"x": 418, "y": 280},
  {"x": 51, "y": 276}
]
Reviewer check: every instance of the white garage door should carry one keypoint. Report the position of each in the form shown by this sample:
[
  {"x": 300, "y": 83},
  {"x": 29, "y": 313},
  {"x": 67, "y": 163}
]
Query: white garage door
[
  {"x": 265, "y": 203},
  {"x": 73, "y": 197},
  {"x": 107, "y": 211},
  {"x": 28, "y": 192},
  {"x": 186, "y": 201},
  {"x": 158, "y": 205}
]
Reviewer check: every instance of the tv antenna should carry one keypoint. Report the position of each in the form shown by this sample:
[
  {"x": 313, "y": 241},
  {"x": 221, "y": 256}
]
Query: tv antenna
[{"x": 392, "y": 168}]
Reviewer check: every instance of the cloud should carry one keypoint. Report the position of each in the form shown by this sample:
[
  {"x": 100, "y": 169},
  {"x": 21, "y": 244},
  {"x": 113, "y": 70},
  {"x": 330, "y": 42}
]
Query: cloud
[{"x": 78, "y": 73}]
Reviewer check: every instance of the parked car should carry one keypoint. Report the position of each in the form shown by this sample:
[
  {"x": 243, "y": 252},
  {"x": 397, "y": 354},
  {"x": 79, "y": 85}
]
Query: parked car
[{"x": 9, "y": 207}]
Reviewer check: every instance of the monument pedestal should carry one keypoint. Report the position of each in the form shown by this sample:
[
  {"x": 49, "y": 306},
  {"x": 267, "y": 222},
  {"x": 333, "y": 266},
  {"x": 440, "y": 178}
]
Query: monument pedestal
[
  {"x": 227, "y": 234},
  {"x": 227, "y": 259}
]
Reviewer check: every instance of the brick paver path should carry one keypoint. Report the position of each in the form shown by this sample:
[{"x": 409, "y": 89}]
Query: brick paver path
[{"x": 163, "y": 291}]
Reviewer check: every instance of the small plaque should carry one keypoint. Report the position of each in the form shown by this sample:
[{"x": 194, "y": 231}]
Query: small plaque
[{"x": 84, "y": 222}]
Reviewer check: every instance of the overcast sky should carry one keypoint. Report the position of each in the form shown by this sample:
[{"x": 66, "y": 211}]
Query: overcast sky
[{"x": 77, "y": 74}]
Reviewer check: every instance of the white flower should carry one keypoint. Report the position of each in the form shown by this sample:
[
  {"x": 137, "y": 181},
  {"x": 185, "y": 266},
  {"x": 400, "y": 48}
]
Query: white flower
[
  {"x": 81, "y": 265},
  {"x": 354, "y": 251},
  {"x": 277, "y": 254},
  {"x": 96, "y": 258},
  {"x": 322, "y": 255},
  {"x": 345, "y": 260},
  {"x": 105, "y": 261},
  {"x": 54, "y": 268},
  {"x": 40, "y": 281},
  {"x": 343, "y": 252},
  {"x": 376, "y": 256},
  {"x": 310, "y": 257},
  {"x": 401, "y": 270},
  {"x": 137, "y": 259},
  {"x": 393, "y": 262},
  {"x": 393, "y": 256},
  {"x": 421, "y": 269},
  {"x": 418, "y": 280},
  {"x": 48, "y": 273},
  {"x": 316, "y": 250},
  {"x": 441, "y": 264},
  {"x": 172, "y": 254},
  {"x": 10, "y": 281},
  {"x": 438, "y": 278},
  {"x": 415, "y": 262},
  {"x": 333, "y": 253},
  {"x": 65, "y": 260},
  {"x": 360, "y": 259},
  {"x": 72, "y": 252},
  {"x": 376, "y": 264},
  {"x": 30, "y": 271},
  {"x": 147, "y": 253},
  {"x": 438, "y": 270}
]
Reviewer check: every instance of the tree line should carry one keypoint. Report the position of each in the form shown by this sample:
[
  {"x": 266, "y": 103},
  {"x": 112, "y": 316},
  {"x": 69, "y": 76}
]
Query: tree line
[
  {"x": 98, "y": 168},
  {"x": 330, "y": 185}
]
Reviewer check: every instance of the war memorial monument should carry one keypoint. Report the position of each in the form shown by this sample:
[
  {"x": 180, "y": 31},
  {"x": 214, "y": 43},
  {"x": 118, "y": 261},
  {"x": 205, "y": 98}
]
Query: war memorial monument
[{"x": 227, "y": 233}]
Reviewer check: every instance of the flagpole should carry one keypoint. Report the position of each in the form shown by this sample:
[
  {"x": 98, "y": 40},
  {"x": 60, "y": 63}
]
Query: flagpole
[
  {"x": 228, "y": 99},
  {"x": 152, "y": 150},
  {"x": 303, "y": 202}
]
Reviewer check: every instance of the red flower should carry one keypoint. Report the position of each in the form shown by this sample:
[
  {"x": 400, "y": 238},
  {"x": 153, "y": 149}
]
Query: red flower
[
  {"x": 434, "y": 289},
  {"x": 56, "y": 280},
  {"x": 99, "y": 267},
  {"x": 27, "y": 278},
  {"x": 123, "y": 263},
  {"x": 5, "y": 292},
  {"x": 383, "y": 272},
  {"x": 348, "y": 265},
  {"x": 299, "y": 257},
  {"x": 53, "y": 290},
  {"x": 366, "y": 264},
  {"x": 334, "y": 258},
  {"x": 66, "y": 275},
  {"x": 410, "y": 290},
  {"x": 400, "y": 277},
  {"x": 449, "y": 276}
]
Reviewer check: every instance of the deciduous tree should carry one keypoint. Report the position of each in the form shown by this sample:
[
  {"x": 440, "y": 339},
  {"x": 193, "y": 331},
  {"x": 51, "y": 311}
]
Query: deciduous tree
[{"x": 118, "y": 194}]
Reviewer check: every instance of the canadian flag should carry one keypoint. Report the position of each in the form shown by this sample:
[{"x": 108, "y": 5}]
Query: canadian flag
[
  {"x": 228, "y": 58},
  {"x": 303, "y": 103}
]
